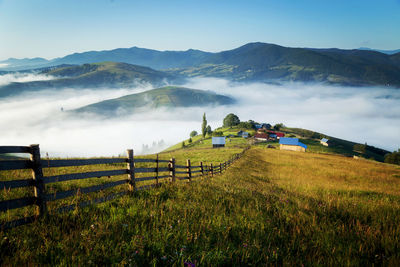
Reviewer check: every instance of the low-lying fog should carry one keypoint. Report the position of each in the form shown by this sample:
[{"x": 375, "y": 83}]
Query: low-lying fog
[{"x": 369, "y": 115}]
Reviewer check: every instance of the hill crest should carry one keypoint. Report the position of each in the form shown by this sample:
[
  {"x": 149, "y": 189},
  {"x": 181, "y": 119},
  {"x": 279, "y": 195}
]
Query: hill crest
[{"x": 167, "y": 97}]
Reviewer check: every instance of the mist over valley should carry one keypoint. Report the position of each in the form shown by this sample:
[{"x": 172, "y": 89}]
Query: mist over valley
[{"x": 360, "y": 114}]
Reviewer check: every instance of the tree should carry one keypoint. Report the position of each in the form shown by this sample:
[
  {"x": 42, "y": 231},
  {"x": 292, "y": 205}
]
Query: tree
[
  {"x": 231, "y": 120},
  {"x": 190, "y": 140},
  {"x": 393, "y": 158},
  {"x": 360, "y": 148},
  {"x": 208, "y": 130},
  {"x": 183, "y": 144},
  {"x": 245, "y": 125},
  {"x": 193, "y": 134},
  {"x": 204, "y": 126},
  {"x": 278, "y": 126}
]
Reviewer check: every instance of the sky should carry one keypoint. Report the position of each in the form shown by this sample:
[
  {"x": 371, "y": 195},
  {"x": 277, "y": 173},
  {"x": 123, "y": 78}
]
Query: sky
[{"x": 50, "y": 29}]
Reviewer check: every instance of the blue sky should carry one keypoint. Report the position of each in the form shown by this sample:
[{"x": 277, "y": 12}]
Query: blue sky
[{"x": 45, "y": 28}]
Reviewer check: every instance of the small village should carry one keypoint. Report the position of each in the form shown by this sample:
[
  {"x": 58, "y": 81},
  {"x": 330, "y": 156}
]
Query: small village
[{"x": 264, "y": 133}]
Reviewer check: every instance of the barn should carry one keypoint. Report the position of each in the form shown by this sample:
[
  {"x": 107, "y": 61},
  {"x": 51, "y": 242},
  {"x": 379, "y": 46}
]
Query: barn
[
  {"x": 218, "y": 141},
  {"x": 292, "y": 144}
]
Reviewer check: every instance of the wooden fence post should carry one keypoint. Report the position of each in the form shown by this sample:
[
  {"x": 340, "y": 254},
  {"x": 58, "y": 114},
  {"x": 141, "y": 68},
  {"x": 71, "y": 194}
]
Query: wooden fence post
[
  {"x": 188, "y": 169},
  {"x": 37, "y": 175},
  {"x": 131, "y": 170},
  {"x": 212, "y": 170},
  {"x": 157, "y": 170},
  {"x": 201, "y": 169},
  {"x": 172, "y": 169},
  {"x": 220, "y": 168}
]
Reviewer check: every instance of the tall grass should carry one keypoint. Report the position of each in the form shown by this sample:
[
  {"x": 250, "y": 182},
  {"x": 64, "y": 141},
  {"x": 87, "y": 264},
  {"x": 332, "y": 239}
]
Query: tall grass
[{"x": 270, "y": 208}]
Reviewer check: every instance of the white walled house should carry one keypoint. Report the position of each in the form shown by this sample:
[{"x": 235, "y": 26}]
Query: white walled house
[{"x": 218, "y": 141}]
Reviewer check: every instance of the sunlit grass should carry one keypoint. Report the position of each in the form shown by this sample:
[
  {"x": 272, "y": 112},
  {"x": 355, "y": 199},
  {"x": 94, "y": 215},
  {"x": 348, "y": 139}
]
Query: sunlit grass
[{"x": 270, "y": 208}]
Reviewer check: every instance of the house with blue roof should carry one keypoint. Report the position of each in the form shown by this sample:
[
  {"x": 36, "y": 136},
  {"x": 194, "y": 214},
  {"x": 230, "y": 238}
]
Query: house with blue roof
[
  {"x": 293, "y": 144},
  {"x": 263, "y": 126}
]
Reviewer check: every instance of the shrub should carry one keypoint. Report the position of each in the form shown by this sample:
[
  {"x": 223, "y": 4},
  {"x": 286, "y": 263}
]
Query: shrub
[{"x": 193, "y": 134}]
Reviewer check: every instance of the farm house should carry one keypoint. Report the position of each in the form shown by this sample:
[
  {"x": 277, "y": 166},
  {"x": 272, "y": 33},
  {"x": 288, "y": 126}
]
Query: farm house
[
  {"x": 218, "y": 141},
  {"x": 324, "y": 142},
  {"x": 277, "y": 134},
  {"x": 243, "y": 134},
  {"x": 292, "y": 144},
  {"x": 263, "y": 137}
]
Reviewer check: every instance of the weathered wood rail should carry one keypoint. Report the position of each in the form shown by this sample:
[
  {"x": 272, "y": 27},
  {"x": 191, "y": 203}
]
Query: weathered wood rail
[{"x": 168, "y": 168}]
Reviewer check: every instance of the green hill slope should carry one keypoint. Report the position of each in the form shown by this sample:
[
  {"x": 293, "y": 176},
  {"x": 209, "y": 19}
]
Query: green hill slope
[
  {"x": 170, "y": 97},
  {"x": 105, "y": 74}
]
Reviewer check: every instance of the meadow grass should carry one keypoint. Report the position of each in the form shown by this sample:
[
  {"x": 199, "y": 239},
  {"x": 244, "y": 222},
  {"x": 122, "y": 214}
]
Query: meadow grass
[{"x": 270, "y": 207}]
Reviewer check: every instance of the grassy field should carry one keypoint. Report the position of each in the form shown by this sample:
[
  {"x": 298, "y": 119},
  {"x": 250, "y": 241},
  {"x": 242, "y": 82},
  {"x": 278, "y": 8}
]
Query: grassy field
[
  {"x": 270, "y": 208},
  {"x": 202, "y": 152}
]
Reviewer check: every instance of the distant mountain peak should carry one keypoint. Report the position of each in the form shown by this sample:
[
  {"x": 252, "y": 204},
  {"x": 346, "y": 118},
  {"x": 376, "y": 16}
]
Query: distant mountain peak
[{"x": 388, "y": 52}]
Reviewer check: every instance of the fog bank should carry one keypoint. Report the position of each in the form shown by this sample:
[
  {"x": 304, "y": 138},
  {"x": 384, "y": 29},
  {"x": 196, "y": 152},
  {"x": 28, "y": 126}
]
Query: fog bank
[
  {"x": 23, "y": 77},
  {"x": 369, "y": 115}
]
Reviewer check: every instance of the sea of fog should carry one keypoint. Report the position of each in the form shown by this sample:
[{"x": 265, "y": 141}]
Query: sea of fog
[{"x": 366, "y": 115}]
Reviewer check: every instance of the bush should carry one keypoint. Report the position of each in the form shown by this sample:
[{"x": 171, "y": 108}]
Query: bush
[{"x": 193, "y": 134}]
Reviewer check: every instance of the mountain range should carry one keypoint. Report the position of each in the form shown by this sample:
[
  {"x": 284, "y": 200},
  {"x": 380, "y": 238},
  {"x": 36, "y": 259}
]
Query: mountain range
[
  {"x": 253, "y": 62},
  {"x": 95, "y": 75}
]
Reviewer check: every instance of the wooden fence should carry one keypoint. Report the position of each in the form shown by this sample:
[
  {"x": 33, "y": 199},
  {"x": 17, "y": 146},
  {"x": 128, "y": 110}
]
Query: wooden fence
[{"x": 169, "y": 170}]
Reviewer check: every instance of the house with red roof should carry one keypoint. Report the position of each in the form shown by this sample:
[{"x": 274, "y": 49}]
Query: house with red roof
[{"x": 261, "y": 137}]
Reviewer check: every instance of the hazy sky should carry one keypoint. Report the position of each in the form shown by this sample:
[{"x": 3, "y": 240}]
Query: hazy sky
[{"x": 45, "y": 28}]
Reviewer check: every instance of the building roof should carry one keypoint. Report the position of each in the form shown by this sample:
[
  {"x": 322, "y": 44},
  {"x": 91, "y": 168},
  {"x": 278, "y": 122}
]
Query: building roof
[
  {"x": 277, "y": 133},
  {"x": 324, "y": 140},
  {"x": 261, "y": 135},
  {"x": 291, "y": 142},
  {"x": 218, "y": 140}
]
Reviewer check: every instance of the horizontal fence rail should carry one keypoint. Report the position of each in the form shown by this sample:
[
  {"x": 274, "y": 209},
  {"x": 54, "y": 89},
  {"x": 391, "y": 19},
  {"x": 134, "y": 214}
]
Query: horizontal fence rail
[{"x": 168, "y": 170}]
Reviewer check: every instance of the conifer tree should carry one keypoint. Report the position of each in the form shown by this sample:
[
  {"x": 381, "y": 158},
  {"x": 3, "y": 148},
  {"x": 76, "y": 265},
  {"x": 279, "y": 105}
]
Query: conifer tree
[{"x": 204, "y": 126}]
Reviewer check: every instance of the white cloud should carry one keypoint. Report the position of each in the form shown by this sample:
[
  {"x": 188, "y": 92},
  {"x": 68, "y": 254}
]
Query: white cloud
[
  {"x": 369, "y": 115},
  {"x": 22, "y": 77}
]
